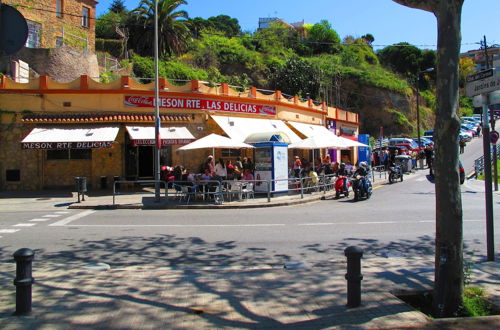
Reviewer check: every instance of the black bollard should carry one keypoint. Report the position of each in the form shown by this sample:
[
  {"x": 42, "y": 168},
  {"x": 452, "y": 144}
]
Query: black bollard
[
  {"x": 353, "y": 276},
  {"x": 24, "y": 280}
]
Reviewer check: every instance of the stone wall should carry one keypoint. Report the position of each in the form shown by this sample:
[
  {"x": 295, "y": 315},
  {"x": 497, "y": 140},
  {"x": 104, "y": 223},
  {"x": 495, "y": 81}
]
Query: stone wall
[{"x": 62, "y": 64}]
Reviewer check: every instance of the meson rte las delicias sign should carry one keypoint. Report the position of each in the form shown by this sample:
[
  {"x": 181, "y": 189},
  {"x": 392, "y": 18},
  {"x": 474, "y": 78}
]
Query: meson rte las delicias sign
[{"x": 199, "y": 104}]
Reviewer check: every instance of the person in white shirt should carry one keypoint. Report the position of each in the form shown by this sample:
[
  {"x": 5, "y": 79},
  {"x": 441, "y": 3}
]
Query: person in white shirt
[{"x": 220, "y": 169}]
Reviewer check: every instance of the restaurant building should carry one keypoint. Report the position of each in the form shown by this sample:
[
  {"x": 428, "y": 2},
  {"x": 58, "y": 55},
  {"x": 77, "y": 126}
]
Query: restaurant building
[{"x": 53, "y": 132}]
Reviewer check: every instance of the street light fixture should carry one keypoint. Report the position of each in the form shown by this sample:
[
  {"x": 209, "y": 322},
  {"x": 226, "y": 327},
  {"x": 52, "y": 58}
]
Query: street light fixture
[{"x": 418, "y": 106}]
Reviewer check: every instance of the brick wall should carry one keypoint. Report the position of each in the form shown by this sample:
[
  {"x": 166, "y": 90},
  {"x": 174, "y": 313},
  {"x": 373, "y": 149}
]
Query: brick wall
[{"x": 44, "y": 12}]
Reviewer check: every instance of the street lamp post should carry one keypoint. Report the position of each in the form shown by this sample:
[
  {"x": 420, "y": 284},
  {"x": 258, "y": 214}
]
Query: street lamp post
[
  {"x": 418, "y": 106},
  {"x": 157, "y": 111}
]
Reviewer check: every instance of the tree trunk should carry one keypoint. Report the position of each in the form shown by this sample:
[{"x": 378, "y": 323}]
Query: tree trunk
[{"x": 448, "y": 281}]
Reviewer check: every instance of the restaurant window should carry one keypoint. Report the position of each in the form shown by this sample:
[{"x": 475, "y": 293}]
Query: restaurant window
[
  {"x": 13, "y": 175},
  {"x": 85, "y": 16},
  {"x": 34, "y": 34},
  {"x": 59, "y": 8},
  {"x": 231, "y": 152},
  {"x": 69, "y": 154}
]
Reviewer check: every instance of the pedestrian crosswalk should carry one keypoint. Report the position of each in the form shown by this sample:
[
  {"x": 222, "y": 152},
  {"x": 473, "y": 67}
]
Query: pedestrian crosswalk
[{"x": 33, "y": 222}]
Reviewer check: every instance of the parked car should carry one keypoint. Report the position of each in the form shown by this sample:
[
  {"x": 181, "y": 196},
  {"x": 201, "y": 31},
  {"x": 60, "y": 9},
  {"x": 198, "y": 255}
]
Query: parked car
[
  {"x": 424, "y": 142},
  {"x": 404, "y": 142},
  {"x": 429, "y": 137}
]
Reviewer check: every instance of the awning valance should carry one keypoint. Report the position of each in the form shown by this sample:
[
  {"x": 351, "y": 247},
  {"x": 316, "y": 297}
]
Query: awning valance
[
  {"x": 240, "y": 128},
  {"x": 311, "y": 130},
  {"x": 81, "y": 137},
  {"x": 145, "y": 135}
]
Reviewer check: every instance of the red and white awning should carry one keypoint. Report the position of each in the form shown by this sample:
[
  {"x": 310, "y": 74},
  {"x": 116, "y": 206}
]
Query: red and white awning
[{"x": 88, "y": 137}]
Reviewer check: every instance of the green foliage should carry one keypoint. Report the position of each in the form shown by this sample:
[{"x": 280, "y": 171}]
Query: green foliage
[
  {"x": 400, "y": 120},
  {"x": 297, "y": 77},
  {"x": 322, "y": 38},
  {"x": 105, "y": 25},
  {"x": 215, "y": 50},
  {"x": 172, "y": 27},
  {"x": 117, "y": 6},
  {"x": 144, "y": 68},
  {"x": 406, "y": 59},
  {"x": 474, "y": 302},
  {"x": 108, "y": 77},
  {"x": 110, "y": 46},
  {"x": 429, "y": 97},
  {"x": 75, "y": 37},
  {"x": 466, "y": 108},
  {"x": 221, "y": 24}
]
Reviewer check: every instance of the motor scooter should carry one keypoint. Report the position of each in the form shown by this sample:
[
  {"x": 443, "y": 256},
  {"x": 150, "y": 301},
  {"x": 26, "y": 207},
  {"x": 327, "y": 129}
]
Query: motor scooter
[
  {"x": 362, "y": 187},
  {"x": 395, "y": 173},
  {"x": 342, "y": 185}
]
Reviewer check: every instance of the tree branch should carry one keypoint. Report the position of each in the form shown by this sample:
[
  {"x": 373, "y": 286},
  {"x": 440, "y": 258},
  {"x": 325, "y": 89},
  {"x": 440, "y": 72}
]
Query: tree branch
[{"x": 427, "y": 5}]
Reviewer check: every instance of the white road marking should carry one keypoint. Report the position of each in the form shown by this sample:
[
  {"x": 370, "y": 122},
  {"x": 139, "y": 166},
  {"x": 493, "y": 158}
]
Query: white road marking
[
  {"x": 24, "y": 225},
  {"x": 74, "y": 217},
  {"x": 375, "y": 222},
  {"x": 52, "y": 215},
  {"x": 62, "y": 212},
  {"x": 40, "y": 219},
  {"x": 184, "y": 226},
  {"x": 8, "y": 231}
]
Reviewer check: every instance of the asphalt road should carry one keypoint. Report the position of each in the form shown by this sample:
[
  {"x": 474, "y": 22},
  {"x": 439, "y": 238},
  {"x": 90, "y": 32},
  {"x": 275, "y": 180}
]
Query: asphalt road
[{"x": 398, "y": 221}]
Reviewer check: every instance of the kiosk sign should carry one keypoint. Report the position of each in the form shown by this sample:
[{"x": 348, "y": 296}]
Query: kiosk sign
[{"x": 482, "y": 82}]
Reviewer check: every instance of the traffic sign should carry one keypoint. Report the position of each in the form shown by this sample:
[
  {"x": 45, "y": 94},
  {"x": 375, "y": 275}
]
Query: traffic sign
[
  {"x": 482, "y": 82},
  {"x": 494, "y": 137}
]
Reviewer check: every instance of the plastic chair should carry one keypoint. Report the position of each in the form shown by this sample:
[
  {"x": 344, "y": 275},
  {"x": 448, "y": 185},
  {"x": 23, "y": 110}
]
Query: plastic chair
[{"x": 248, "y": 190}]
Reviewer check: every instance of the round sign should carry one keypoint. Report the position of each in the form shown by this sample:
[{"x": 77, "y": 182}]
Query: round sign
[
  {"x": 13, "y": 30},
  {"x": 494, "y": 136}
]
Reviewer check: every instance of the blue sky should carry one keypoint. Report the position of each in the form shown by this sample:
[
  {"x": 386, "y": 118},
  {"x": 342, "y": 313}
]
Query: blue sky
[{"x": 387, "y": 21}]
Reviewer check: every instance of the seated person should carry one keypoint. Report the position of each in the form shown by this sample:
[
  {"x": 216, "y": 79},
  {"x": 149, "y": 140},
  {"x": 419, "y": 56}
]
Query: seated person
[{"x": 247, "y": 175}]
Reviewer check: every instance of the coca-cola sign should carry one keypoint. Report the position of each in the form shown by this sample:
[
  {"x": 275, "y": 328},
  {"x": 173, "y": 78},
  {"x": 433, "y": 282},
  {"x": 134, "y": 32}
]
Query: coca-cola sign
[{"x": 198, "y": 104}]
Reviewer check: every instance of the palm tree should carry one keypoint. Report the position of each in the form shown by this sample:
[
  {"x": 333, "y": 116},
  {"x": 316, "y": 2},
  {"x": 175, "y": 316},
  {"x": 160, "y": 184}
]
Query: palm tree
[{"x": 173, "y": 33}]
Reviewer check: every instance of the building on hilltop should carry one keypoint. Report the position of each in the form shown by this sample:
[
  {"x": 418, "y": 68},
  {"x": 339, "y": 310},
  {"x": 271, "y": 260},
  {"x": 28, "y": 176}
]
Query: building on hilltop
[{"x": 266, "y": 22}]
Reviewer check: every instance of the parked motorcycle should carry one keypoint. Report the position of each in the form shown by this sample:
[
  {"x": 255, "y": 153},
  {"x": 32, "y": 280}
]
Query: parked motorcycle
[
  {"x": 395, "y": 173},
  {"x": 362, "y": 187},
  {"x": 342, "y": 186}
]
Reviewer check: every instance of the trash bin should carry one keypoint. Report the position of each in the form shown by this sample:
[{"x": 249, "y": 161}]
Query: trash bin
[
  {"x": 104, "y": 182},
  {"x": 405, "y": 162},
  {"x": 81, "y": 184}
]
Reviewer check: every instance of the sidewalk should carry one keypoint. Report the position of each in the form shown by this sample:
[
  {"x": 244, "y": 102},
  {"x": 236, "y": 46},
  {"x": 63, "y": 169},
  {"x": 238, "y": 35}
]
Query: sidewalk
[{"x": 266, "y": 297}]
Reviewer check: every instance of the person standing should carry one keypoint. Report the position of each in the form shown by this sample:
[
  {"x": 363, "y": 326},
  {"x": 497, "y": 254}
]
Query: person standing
[
  {"x": 297, "y": 166},
  {"x": 462, "y": 145},
  {"x": 221, "y": 170}
]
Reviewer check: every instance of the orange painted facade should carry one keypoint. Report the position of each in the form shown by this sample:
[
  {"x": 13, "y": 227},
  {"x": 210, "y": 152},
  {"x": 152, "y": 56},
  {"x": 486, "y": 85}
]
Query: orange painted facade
[{"x": 87, "y": 103}]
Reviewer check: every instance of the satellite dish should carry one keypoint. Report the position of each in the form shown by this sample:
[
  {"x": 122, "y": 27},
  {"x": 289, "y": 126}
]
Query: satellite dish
[{"x": 13, "y": 30}]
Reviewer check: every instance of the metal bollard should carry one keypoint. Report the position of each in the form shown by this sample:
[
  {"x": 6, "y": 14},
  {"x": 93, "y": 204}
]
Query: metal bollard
[
  {"x": 353, "y": 276},
  {"x": 23, "y": 280}
]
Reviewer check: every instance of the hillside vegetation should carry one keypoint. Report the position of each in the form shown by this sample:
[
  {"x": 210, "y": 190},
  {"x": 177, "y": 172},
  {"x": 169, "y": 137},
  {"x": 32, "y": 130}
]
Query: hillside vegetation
[{"x": 310, "y": 61}]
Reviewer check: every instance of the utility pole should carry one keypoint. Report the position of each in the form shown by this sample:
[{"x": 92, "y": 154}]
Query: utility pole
[
  {"x": 492, "y": 120},
  {"x": 490, "y": 245}
]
